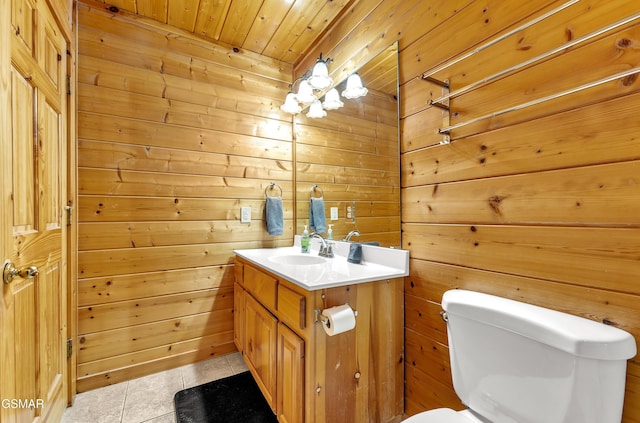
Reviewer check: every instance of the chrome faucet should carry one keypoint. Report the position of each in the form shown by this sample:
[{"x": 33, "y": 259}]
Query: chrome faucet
[
  {"x": 350, "y": 234},
  {"x": 326, "y": 250}
]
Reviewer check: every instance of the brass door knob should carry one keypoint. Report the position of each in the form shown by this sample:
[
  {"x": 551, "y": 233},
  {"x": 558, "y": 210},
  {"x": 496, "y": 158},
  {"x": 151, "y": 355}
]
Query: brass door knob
[{"x": 10, "y": 271}]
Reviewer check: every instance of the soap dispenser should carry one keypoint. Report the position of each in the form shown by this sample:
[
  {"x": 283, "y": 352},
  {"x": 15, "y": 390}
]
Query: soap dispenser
[
  {"x": 304, "y": 242},
  {"x": 330, "y": 232}
]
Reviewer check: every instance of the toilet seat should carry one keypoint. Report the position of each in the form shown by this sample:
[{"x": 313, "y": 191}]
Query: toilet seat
[{"x": 443, "y": 415}]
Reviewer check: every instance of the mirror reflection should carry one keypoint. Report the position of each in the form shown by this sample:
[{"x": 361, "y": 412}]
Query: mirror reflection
[{"x": 352, "y": 157}]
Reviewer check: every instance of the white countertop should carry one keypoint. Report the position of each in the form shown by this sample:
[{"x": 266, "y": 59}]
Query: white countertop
[{"x": 377, "y": 263}]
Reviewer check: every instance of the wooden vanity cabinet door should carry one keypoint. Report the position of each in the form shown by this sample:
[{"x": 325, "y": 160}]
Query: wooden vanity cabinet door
[
  {"x": 260, "y": 347},
  {"x": 290, "y": 376}
]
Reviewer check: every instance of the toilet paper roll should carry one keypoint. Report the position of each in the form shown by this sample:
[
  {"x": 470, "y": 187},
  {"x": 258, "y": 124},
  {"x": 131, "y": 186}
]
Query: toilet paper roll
[{"x": 339, "y": 319}]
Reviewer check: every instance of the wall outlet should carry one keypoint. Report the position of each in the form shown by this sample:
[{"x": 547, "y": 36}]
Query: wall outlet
[
  {"x": 351, "y": 212},
  {"x": 245, "y": 214},
  {"x": 334, "y": 213}
]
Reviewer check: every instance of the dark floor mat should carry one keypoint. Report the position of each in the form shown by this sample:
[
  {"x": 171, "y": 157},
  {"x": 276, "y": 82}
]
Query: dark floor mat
[{"x": 236, "y": 399}]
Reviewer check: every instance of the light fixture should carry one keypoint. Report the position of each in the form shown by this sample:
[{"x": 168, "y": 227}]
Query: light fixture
[
  {"x": 291, "y": 104},
  {"x": 316, "y": 110},
  {"x": 305, "y": 93},
  {"x": 354, "y": 87},
  {"x": 332, "y": 100},
  {"x": 320, "y": 78}
]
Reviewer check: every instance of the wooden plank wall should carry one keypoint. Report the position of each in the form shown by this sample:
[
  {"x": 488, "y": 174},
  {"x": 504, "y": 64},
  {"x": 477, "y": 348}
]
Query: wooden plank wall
[
  {"x": 352, "y": 156},
  {"x": 175, "y": 135},
  {"x": 540, "y": 205}
]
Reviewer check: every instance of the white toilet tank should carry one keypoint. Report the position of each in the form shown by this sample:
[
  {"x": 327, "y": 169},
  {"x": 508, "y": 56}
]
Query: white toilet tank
[{"x": 513, "y": 362}]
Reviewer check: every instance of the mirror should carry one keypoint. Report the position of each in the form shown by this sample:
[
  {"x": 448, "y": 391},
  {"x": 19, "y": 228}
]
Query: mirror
[{"x": 353, "y": 156}]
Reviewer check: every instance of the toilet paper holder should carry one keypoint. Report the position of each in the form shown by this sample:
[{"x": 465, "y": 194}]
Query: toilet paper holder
[{"x": 319, "y": 317}]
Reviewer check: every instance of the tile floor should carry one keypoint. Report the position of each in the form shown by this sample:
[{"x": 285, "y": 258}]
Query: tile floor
[{"x": 148, "y": 399}]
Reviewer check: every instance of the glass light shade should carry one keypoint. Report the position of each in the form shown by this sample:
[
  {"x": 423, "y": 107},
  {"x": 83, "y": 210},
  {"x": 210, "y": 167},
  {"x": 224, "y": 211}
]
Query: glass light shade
[
  {"x": 291, "y": 105},
  {"x": 305, "y": 93},
  {"x": 316, "y": 110},
  {"x": 354, "y": 87},
  {"x": 332, "y": 100},
  {"x": 319, "y": 78}
]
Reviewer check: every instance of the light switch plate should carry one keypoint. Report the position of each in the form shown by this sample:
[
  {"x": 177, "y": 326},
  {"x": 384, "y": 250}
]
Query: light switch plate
[
  {"x": 245, "y": 214},
  {"x": 334, "y": 213}
]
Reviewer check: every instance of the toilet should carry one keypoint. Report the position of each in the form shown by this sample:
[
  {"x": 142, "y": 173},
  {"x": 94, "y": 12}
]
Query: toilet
[{"x": 513, "y": 362}]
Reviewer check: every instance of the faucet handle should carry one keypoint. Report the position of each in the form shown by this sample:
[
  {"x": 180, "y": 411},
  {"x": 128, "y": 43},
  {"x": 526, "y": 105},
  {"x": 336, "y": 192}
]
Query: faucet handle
[{"x": 328, "y": 251}]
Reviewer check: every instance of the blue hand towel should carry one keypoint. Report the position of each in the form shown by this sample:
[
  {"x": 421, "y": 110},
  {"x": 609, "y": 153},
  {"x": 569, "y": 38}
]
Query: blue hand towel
[
  {"x": 317, "y": 219},
  {"x": 274, "y": 216},
  {"x": 355, "y": 253}
]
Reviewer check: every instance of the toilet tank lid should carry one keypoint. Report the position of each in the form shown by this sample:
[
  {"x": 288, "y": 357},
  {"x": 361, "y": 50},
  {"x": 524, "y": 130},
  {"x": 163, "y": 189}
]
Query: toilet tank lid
[{"x": 575, "y": 335}]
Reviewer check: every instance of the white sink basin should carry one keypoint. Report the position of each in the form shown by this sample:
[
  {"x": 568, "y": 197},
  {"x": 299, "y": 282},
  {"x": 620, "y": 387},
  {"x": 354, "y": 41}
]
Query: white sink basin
[{"x": 297, "y": 259}]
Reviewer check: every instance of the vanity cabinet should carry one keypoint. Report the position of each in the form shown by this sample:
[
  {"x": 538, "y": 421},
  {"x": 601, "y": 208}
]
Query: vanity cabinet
[{"x": 308, "y": 376}]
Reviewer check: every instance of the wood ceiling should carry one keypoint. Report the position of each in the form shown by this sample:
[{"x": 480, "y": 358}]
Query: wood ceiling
[{"x": 280, "y": 29}]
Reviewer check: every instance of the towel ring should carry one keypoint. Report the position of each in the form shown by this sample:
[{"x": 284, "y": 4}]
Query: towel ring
[
  {"x": 316, "y": 188},
  {"x": 271, "y": 186}
]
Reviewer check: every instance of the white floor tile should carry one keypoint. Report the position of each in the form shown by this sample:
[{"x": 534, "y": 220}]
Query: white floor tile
[
  {"x": 237, "y": 363},
  {"x": 205, "y": 371},
  {"x": 151, "y": 396},
  {"x": 104, "y": 405}
]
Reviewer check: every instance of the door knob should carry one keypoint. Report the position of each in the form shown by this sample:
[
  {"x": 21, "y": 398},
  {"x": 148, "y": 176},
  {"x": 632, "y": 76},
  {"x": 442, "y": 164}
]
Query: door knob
[{"x": 10, "y": 272}]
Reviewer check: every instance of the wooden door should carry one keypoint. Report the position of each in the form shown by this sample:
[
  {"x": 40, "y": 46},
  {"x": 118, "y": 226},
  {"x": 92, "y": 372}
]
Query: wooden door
[{"x": 33, "y": 161}]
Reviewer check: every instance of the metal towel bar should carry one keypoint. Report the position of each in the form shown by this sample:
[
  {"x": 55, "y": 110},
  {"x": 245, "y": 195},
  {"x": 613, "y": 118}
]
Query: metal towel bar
[
  {"x": 272, "y": 186},
  {"x": 538, "y": 58},
  {"x": 500, "y": 38},
  {"x": 314, "y": 189},
  {"x": 619, "y": 75}
]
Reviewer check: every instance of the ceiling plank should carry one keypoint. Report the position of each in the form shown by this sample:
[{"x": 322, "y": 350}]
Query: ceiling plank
[
  {"x": 211, "y": 17},
  {"x": 294, "y": 25},
  {"x": 267, "y": 22},
  {"x": 182, "y": 14},
  {"x": 314, "y": 29},
  {"x": 239, "y": 21},
  {"x": 154, "y": 9}
]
